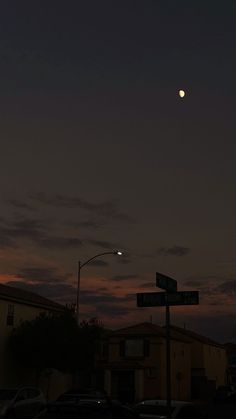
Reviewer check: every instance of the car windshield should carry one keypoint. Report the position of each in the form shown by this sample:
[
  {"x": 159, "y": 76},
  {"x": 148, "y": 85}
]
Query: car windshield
[
  {"x": 152, "y": 409},
  {"x": 7, "y": 394}
]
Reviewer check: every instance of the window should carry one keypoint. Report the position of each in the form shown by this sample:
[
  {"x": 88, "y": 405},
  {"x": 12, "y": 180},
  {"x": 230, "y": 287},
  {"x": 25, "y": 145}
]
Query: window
[
  {"x": 10, "y": 315},
  {"x": 134, "y": 348}
]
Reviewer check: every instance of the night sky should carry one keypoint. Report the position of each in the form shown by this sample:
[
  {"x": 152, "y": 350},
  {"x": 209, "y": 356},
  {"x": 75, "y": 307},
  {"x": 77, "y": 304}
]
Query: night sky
[{"x": 98, "y": 152}]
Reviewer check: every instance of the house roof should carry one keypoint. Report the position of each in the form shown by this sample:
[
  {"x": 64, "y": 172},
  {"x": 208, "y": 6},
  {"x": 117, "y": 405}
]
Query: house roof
[
  {"x": 195, "y": 336},
  {"x": 29, "y": 298},
  {"x": 148, "y": 329}
]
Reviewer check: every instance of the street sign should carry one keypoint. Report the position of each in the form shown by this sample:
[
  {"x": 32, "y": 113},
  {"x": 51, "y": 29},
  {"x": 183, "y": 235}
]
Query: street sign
[
  {"x": 151, "y": 299},
  {"x": 183, "y": 298},
  {"x": 160, "y": 299},
  {"x": 166, "y": 283}
]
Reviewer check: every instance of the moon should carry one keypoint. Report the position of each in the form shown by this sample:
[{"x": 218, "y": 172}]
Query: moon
[{"x": 181, "y": 93}]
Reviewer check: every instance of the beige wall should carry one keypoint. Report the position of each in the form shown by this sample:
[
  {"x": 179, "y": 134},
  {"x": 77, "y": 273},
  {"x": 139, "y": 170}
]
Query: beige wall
[
  {"x": 150, "y": 379},
  {"x": 180, "y": 370},
  {"x": 215, "y": 363},
  {"x": 197, "y": 355}
]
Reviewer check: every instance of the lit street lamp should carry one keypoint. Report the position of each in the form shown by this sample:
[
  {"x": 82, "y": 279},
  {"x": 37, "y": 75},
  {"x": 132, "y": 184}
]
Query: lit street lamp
[{"x": 81, "y": 265}]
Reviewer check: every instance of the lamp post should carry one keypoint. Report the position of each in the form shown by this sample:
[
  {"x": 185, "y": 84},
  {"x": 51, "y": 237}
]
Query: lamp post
[{"x": 81, "y": 265}]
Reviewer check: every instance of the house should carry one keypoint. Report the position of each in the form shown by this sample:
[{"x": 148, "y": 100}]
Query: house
[
  {"x": 18, "y": 305},
  {"x": 231, "y": 363},
  {"x": 134, "y": 361},
  {"x": 208, "y": 363}
]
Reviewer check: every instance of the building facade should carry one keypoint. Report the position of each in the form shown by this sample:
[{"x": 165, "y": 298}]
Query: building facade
[
  {"x": 208, "y": 364},
  {"x": 231, "y": 363},
  {"x": 134, "y": 362},
  {"x": 17, "y": 306}
]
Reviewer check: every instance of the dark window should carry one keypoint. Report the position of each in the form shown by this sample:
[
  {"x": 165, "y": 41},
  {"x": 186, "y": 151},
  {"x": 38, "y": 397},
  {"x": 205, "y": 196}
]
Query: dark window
[
  {"x": 135, "y": 348},
  {"x": 10, "y": 315}
]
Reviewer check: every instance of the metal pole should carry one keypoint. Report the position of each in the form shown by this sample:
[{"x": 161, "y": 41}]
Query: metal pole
[
  {"x": 168, "y": 363},
  {"x": 78, "y": 292}
]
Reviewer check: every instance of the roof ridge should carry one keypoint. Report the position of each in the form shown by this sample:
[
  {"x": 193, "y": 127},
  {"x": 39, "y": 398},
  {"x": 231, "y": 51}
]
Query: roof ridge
[
  {"x": 24, "y": 295},
  {"x": 194, "y": 334}
]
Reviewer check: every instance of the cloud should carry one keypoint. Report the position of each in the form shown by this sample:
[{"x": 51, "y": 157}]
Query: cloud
[
  {"x": 228, "y": 288},
  {"x": 174, "y": 251},
  {"x": 7, "y": 242},
  {"x": 42, "y": 275},
  {"x": 113, "y": 311},
  {"x": 61, "y": 292},
  {"x": 92, "y": 297},
  {"x": 103, "y": 244},
  {"x": 98, "y": 262},
  {"x": 106, "y": 209},
  {"x": 88, "y": 224},
  {"x": 125, "y": 277},
  {"x": 16, "y": 203},
  {"x": 36, "y": 231},
  {"x": 59, "y": 243},
  {"x": 147, "y": 285}
]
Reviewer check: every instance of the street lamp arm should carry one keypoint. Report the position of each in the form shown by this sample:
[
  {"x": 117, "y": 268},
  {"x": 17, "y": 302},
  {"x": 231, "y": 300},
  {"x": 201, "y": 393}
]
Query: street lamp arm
[
  {"x": 97, "y": 256},
  {"x": 80, "y": 265}
]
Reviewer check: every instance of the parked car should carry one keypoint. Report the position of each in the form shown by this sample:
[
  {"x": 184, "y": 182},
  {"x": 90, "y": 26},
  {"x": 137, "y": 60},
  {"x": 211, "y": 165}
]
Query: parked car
[
  {"x": 24, "y": 402},
  {"x": 87, "y": 410},
  {"x": 223, "y": 392},
  {"x": 157, "y": 409},
  {"x": 222, "y": 408},
  {"x": 83, "y": 395}
]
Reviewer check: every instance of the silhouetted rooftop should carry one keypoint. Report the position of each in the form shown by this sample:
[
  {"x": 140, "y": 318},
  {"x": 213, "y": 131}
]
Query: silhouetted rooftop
[
  {"x": 195, "y": 336},
  {"x": 148, "y": 329},
  {"x": 26, "y": 297}
]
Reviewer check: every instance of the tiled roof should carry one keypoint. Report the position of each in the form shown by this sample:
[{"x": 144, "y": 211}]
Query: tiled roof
[
  {"x": 27, "y": 297},
  {"x": 148, "y": 329},
  {"x": 195, "y": 336}
]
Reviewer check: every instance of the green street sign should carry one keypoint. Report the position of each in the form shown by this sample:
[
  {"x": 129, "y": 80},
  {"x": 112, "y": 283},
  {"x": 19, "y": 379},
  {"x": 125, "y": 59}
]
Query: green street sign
[
  {"x": 151, "y": 299},
  {"x": 166, "y": 283},
  {"x": 183, "y": 298},
  {"x": 160, "y": 299}
]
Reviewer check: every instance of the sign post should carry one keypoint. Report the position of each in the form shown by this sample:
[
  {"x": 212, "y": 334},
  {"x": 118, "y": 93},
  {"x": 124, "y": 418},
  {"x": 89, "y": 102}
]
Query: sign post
[
  {"x": 168, "y": 363},
  {"x": 169, "y": 298}
]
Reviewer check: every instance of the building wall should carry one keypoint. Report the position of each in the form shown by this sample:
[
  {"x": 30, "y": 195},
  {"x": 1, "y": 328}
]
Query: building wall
[
  {"x": 22, "y": 312},
  {"x": 150, "y": 375},
  {"x": 215, "y": 364},
  {"x": 180, "y": 371},
  {"x": 197, "y": 356},
  {"x": 12, "y": 375}
]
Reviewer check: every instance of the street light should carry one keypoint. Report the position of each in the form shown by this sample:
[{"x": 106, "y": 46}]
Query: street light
[{"x": 81, "y": 265}]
